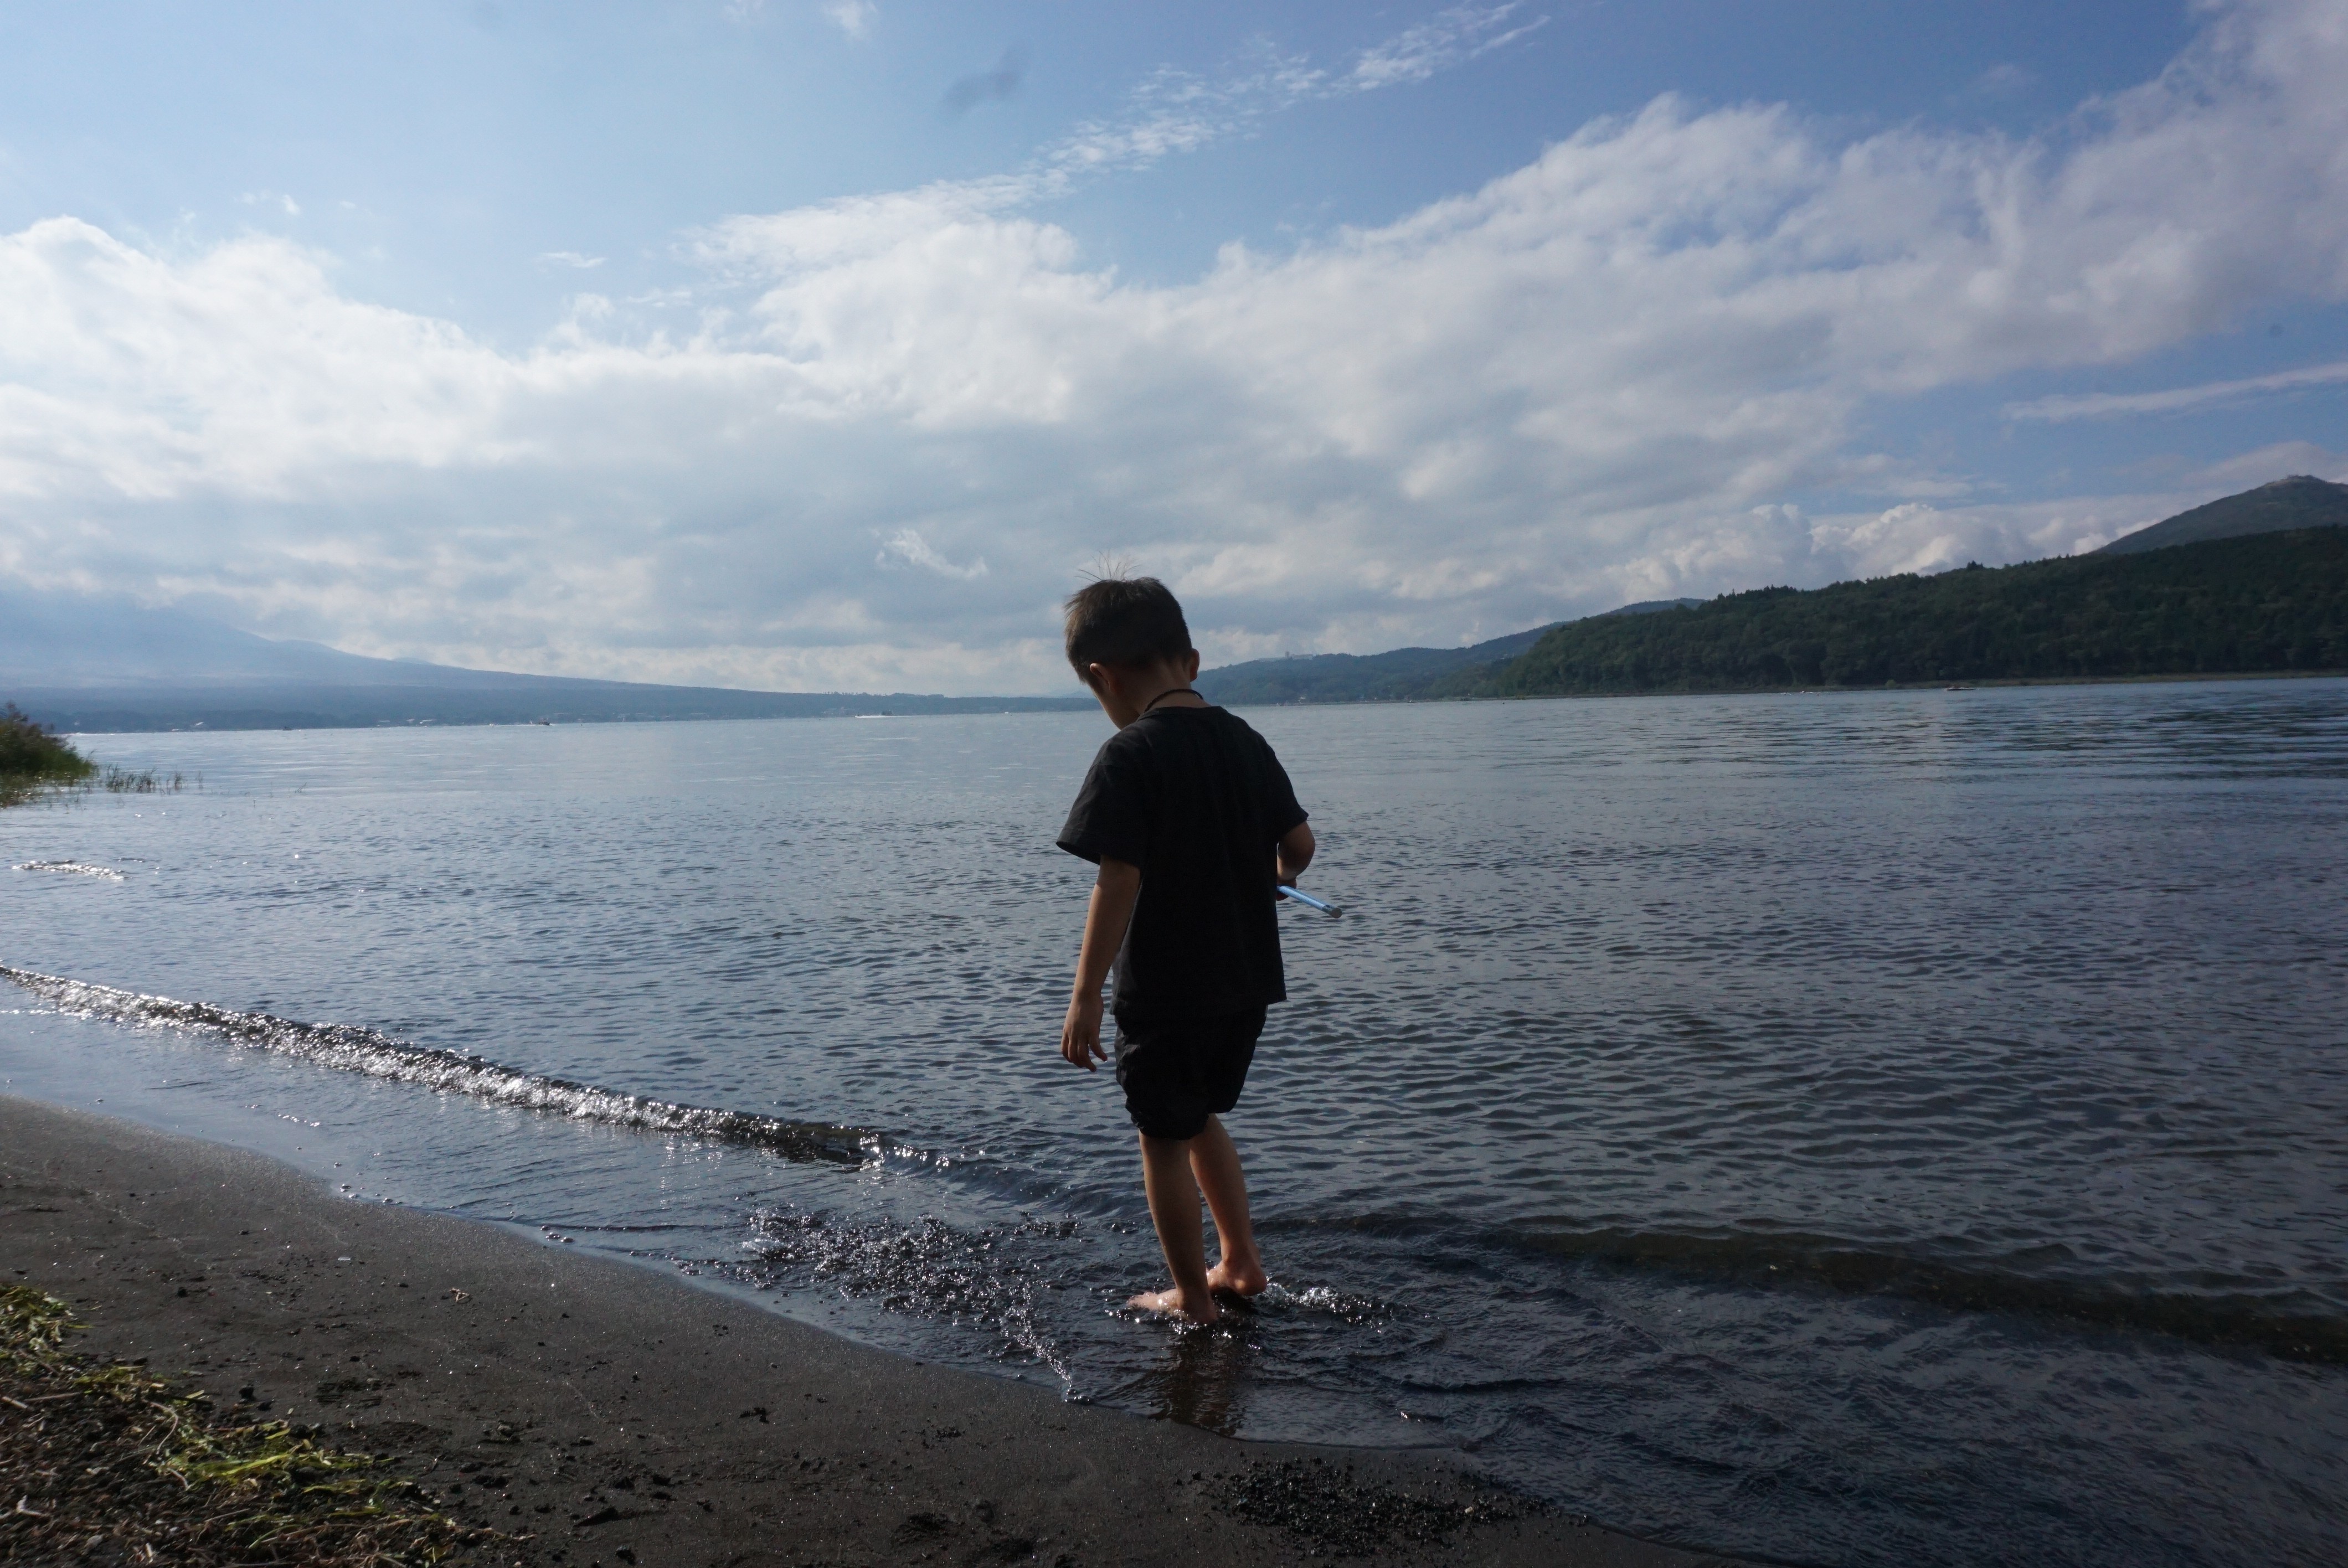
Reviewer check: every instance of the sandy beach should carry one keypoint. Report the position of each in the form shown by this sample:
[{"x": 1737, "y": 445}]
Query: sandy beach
[{"x": 600, "y": 1413}]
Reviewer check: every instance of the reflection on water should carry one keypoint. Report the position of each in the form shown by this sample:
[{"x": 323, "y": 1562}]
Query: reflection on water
[
  {"x": 1866, "y": 1128},
  {"x": 1200, "y": 1378}
]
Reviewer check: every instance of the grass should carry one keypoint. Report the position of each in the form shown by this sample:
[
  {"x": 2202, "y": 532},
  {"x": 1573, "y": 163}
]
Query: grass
[
  {"x": 105, "y": 1462},
  {"x": 32, "y": 755},
  {"x": 36, "y": 760},
  {"x": 123, "y": 780}
]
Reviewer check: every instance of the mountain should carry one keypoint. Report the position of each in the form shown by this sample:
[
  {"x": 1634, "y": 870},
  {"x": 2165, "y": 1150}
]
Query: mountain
[
  {"x": 1374, "y": 677},
  {"x": 57, "y": 642},
  {"x": 2251, "y": 583},
  {"x": 2301, "y": 501},
  {"x": 2215, "y": 598},
  {"x": 1349, "y": 677},
  {"x": 2269, "y": 603},
  {"x": 91, "y": 664}
]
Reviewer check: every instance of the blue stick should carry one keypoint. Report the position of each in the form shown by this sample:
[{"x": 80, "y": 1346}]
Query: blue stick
[{"x": 1308, "y": 901}]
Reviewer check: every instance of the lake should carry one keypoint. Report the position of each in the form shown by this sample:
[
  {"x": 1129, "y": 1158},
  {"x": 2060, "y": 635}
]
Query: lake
[{"x": 1863, "y": 1128}]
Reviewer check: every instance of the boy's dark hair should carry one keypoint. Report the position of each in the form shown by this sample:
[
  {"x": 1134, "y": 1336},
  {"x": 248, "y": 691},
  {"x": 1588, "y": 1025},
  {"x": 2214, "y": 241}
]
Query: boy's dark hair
[{"x": 1124, "y": 621}]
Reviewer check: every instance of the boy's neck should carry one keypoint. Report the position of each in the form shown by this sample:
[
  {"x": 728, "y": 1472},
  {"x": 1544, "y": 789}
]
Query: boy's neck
[
  {"x": 1175, "y": 697},
  {"x": 1125, "y": 694}
]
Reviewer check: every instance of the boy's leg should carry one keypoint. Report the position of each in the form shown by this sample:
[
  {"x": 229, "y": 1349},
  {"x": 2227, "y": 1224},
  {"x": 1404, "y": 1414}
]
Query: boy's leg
[
  {"x": 1215, "y": 1164},
  {"x": 1174, "y": 1210}
]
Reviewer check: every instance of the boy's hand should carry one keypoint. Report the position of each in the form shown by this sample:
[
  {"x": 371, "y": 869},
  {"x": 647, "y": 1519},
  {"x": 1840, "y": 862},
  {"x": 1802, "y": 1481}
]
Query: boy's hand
[
  {"x": 1080, "y": 1040},
  {"x": 1115, "y": 891}
]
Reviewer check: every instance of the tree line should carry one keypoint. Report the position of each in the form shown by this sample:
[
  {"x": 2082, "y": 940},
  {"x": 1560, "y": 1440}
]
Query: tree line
[{"x": 2267, "y": 604}]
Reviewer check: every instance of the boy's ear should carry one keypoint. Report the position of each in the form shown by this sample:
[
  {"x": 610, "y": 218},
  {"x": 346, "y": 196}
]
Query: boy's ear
[
  {"x": 1097, "y": 677},
  {"x": 1190, "y": 663}
]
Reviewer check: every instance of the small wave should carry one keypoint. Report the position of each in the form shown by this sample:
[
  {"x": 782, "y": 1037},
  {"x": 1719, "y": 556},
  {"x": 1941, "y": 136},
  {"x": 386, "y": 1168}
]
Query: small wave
[
  {"x": 988, "y": 1276},
  {"x": 1749, "y": 1258},
  {"x": 73, "y": 868},
  {"x": 350, "y": 1048},
  {"x": 1325, "y": 1301}
]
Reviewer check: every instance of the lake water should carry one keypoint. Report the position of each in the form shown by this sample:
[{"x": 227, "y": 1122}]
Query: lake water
[{"x": 1886, "y": 1128}]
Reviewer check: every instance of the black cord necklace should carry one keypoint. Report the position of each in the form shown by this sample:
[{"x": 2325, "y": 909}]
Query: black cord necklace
[{"x": 1161, "y": 696}]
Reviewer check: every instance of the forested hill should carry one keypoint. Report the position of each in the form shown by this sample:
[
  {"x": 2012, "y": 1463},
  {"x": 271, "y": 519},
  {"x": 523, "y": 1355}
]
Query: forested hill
[
  {"x": 1352, "y": 677},
  {"x": 2301, "y": 501},
  {"x": 2276, "y": 602},
  {"x": 1402, "y": 672}
]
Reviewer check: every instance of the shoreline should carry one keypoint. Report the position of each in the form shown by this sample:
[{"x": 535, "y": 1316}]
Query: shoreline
[
  {"x": 1986, "y": 683},
  {"x": 614, "y": 1409}
]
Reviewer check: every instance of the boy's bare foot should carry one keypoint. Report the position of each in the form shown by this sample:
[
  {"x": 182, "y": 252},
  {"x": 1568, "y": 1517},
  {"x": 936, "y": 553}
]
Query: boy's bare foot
[
  {"x": 1169, "y": 1304},
  {"x": 1244, "y": 1280}
]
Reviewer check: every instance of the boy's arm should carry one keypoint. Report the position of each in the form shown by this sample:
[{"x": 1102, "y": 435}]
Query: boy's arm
[
  {"x": 1114, "y": 893},
  {"x": 1294, "y": 853}
]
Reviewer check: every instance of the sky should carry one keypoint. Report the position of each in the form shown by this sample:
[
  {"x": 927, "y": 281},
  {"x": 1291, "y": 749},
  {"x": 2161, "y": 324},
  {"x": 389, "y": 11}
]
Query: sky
[{"x": 827, "y": 345}]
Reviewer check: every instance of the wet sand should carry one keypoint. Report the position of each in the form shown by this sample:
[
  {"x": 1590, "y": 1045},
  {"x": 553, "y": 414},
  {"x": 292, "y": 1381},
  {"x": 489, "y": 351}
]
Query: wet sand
[{"x": 615, "y": 1415}]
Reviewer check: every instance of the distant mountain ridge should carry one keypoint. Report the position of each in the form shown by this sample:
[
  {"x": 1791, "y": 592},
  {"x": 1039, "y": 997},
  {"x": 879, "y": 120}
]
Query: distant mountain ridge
[
  {"x": 2301, "y": 501},
  {"x": 1904, "y": 628},
  {"x": 1374, "y": 677},
  {"x": 2216, "y": 600},
  {"x": 2267, "y": 603},
  {"x": 86, "y": 665}
]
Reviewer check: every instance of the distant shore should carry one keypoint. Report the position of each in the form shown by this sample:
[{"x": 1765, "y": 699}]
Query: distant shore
[
  {"x": 2188, "y": 679},
  {"x": 2220, "y": 678},
  {"x": 162, "y": 708},
  {"x": 596, "y": 1412},
  {"x": 1990, "y": 684}
]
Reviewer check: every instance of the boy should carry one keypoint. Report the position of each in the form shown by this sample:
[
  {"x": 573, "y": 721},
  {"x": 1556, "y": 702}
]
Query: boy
[{"x": 1193, "y": 823}]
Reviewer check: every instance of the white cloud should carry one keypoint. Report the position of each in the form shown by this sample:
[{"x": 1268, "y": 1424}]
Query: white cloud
[
  {"x": 1451, "y": 39},
  {"x": 572, "y": 258},
  {"x": 853, "y": 17},
  {"x": 2176, "y": 399},
  {"x": 1171, "y": 111},
  {"x": 908, "y": 546},
  {"x": 1594, "y": 380}
]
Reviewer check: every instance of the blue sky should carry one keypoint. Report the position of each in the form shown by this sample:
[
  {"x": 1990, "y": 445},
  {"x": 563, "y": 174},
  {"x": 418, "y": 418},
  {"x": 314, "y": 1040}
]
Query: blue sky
[{"x": 824, "y": 344}]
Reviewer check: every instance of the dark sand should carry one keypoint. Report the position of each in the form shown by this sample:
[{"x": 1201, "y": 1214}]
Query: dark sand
[{"x": 617, "y": 1416}]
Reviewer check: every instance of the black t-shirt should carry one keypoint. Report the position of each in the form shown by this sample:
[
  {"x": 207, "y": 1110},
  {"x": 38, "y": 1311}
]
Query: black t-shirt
[{"x": 1198, "y": 801}]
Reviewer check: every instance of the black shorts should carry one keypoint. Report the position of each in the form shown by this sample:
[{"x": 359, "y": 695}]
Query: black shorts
[{"x": 1177, "y": 1072}]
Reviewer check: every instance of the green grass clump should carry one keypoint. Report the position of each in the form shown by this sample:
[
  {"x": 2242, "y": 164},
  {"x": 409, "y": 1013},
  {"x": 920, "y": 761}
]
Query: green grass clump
[
  {"x": 112, "y": 1463},
  {"x": 32, "y": 754},
  {"x": 35, "y": 759}
]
